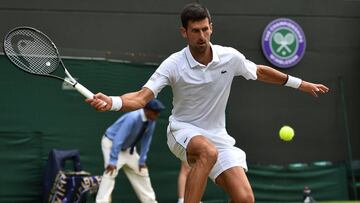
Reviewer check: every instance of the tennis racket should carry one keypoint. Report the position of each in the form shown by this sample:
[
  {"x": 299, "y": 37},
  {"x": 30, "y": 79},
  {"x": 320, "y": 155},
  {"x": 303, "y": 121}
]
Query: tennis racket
[{"x": 34, "y": 52}]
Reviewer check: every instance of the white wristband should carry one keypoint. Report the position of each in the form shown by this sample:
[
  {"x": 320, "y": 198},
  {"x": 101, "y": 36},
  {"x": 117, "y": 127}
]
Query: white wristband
[
  {"x": 116, "y": 103},
  {"x": 293, "y": 82}
]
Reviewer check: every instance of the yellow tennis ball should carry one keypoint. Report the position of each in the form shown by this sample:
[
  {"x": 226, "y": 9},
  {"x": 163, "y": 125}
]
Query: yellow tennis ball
[{"x": 286, "y": 133}]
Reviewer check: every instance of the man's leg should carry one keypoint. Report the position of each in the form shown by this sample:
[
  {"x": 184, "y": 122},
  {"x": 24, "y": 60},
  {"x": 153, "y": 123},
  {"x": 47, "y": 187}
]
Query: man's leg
[
  {"x": 140, "y": 180},
  {"x": 107, "y": 183},
  {"x": 106, "y": 187},
  {"x": 236, "y": 184},
  {"x": 184, "y": 171},
  {"x": 201, "y": 155}
]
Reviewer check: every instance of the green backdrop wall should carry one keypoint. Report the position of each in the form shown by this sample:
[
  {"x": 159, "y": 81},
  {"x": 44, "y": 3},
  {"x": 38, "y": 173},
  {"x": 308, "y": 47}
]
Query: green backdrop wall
[{"x": 37, "y": 115}]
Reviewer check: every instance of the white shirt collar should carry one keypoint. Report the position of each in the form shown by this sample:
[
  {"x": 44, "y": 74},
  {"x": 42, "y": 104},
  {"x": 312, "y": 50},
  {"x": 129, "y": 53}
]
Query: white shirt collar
[
  {"x": 142, "y": 114},
  {"x": 193, "y": 63}
]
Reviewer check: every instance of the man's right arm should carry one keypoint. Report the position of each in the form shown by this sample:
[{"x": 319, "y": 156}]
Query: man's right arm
[
  {"x": 135, "y": 100},
  {"x": 130, "y": 101}
]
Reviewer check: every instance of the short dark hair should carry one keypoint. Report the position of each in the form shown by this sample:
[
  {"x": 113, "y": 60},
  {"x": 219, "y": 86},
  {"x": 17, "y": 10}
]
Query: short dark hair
[{"x": 194, "y": 12}]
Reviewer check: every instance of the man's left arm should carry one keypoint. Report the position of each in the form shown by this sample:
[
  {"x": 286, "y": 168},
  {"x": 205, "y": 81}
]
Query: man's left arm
[{"x": 271, "y": 75}]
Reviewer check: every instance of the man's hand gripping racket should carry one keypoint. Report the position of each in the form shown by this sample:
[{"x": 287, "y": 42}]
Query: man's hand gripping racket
[
  {"x": 98, "y": 102},
  {"x": 33, "y": 52}
]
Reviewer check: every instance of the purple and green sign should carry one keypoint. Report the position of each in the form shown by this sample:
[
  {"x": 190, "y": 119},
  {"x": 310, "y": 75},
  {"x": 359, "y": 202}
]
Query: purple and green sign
[{"x": 283, "y": 43}]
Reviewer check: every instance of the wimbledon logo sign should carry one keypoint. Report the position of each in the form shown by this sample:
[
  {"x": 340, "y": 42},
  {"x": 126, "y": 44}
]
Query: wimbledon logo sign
[{"x": 283, "y": 43}]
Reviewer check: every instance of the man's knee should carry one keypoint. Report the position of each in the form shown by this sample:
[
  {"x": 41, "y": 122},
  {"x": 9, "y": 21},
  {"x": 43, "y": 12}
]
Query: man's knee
[
  {"x": 244, "y": 197},
  {"x": 209, "y": 154},
  {"x": 112, "y": 176},
  {"x": 200, "y": 149},
  {"x": 249, "y": 198}
]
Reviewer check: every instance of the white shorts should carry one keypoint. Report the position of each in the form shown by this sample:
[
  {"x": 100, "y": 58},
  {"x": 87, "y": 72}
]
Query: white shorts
[{"x": 179, "y": 135}]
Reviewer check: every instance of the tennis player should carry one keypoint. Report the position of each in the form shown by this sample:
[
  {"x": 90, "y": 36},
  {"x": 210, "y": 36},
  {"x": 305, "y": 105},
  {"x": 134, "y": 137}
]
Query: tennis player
[{"x": 200, "y": 76}]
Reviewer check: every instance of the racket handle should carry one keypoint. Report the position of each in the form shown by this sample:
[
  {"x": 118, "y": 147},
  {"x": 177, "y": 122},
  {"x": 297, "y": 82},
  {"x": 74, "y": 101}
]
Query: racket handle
[{"x": 84, "y": 91}]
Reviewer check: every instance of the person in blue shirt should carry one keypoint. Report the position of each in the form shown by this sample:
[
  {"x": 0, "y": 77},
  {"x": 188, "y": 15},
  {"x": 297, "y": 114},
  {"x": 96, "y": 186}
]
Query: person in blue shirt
[{"x": 119, "y": 151}]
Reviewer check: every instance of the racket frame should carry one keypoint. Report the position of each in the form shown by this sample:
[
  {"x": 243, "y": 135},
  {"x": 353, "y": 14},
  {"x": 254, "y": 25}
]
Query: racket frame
[{"x": 70, "y": 80}]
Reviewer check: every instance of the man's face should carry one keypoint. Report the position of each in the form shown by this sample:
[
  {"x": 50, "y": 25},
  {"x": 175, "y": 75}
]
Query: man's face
[
  {"x": 198, "y": 35},
  {"x": 151, "y": 115}
]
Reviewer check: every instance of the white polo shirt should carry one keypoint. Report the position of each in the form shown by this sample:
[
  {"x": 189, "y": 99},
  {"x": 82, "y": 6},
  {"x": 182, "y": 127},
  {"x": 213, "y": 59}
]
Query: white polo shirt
[{"x": 200, "y": 93}]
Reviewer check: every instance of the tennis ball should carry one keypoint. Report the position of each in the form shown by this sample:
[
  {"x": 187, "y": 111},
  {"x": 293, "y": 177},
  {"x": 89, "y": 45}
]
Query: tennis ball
[{"x": 286, "y": 133}]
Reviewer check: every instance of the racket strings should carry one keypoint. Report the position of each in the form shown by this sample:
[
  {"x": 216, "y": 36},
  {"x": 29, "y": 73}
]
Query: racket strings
[{"x": 31, "y": 51}]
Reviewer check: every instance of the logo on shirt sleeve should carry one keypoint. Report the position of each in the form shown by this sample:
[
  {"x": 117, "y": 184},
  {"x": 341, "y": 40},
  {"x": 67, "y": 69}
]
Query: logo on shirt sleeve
[{"x": 154, "y": 77}]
